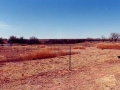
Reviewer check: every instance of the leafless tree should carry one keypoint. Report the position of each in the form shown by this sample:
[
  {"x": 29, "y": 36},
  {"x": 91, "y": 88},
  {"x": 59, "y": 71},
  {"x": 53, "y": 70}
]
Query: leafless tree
[
  {"x": 114, "y": 36},
  {"x": 103, "y": 38}
]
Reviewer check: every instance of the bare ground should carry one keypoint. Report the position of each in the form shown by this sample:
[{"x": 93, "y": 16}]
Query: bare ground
[{"x": 92, "y": 69}]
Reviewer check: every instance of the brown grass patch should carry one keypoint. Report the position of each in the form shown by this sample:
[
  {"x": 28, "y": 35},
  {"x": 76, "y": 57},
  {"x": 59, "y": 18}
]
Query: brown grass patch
[
  {"x": 108, "y": 46},
  {"x": 79, "y": 47}
]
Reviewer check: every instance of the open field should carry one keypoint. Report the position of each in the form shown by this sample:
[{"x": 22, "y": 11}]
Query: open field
[{"x": 46, "y": 67}]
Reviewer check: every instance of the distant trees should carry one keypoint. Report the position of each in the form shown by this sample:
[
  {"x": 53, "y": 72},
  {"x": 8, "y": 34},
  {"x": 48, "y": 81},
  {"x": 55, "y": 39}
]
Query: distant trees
[
  {"x": 103, "y": 38},
  {"x": 64, "y": 41},
  {"x": 12, "y": 39},
  {"x": 88, "y": 39},
  {"x": 21, "y": 40},
  {"x": 34, "y": 40},
  {"x": 114, "y": 37},
  {"x": 1, "y": 40}
]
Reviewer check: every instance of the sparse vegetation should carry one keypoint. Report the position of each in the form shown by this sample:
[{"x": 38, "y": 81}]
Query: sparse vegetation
[{"x": 47, "y": 64}]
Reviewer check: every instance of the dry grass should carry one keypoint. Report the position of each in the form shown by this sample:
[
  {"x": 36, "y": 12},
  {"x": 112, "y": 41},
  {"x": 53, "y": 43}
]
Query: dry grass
[
  {"x": 53, "y": 48},
  {"x": 2, "y": 57},
  {"x": 79, "y": 47},
  {"x": 40, "y": 54},
  {"x": 45, "y": 53},
  {"x": 42, "y": 46},
  {"x": 108, "y": 45}
]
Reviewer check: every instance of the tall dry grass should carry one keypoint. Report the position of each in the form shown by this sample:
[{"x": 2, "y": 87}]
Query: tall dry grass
[
  {"x": 108, "y": 45},
  {"x": 40, "y": 54},
  {"x": 45, "y": 53}
]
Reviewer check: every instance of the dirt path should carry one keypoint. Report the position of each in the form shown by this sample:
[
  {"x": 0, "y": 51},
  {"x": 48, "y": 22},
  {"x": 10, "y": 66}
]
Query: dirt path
[{"x": 92, "y": 69}]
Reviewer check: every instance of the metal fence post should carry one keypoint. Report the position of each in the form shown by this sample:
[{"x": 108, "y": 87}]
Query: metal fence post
[{"x": 70, "y": 59}]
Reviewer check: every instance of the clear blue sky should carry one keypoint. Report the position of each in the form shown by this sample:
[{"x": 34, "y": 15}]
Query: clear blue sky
[{"x": 59, "y": 18}]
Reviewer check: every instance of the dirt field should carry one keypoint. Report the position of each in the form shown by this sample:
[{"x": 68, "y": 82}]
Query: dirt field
[{"x": 92, "y": 69}]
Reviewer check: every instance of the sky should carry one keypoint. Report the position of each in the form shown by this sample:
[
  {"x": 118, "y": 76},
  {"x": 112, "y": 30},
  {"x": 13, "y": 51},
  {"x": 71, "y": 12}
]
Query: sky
[{"x": 59, "y": 19}]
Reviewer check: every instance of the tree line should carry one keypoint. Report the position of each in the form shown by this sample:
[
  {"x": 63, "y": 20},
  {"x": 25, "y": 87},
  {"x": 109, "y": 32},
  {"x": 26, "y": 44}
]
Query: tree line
[
  {"x": 34, "y": 40},
  {"x": 21, "y": 40}
]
